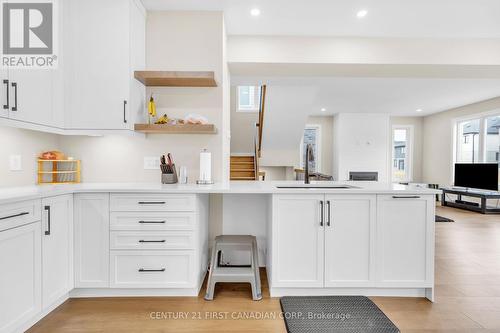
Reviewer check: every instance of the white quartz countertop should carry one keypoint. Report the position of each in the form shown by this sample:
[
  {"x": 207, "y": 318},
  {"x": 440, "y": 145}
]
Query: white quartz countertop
[{"x": 11, "y": 194}]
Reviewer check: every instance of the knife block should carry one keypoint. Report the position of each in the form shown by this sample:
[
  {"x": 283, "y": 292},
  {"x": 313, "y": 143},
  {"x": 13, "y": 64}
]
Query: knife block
[{"x": 169, "y": 178}]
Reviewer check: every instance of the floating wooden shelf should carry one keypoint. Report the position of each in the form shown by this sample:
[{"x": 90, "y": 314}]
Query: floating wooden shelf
[
  {"x": 176, "y": 129},
  {"x": 176, "y": 79}
]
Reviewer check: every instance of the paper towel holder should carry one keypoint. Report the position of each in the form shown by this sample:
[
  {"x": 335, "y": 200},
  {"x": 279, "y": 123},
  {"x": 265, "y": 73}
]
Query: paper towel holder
[{"x": 203, "y": 175}]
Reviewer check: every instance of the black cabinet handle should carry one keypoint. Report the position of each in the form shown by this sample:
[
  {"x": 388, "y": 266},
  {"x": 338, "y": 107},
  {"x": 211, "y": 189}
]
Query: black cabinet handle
[
  {"x": 14, "y": 85},
  {"x": 152, "y": 241},
  {"x": 142, "y": 270},
  {"x": 321, "y": 213},
  {"x": 328, "y": 216},
  {"x": 151, "y": 202},
  {"x": 47, "y": 208},
  {"x": 12, "y": 216},
  {"x": 405, "y": 197},
  {"x": 151, "y": 222},
  {"x": 7, "y": 105},
  {"x": 125, "y": 111}
]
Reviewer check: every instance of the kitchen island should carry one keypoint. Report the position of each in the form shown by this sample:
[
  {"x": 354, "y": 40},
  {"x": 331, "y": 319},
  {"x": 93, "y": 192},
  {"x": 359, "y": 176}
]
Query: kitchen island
[{"x": 152, "y": 240}]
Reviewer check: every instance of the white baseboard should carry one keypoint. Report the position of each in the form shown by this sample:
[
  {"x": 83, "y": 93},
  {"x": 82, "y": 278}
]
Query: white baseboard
[{"x": 390, "y": 292}]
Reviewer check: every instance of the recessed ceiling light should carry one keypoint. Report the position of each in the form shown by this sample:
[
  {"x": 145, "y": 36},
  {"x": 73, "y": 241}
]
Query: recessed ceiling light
[
  {"x": 255, "y": 12},
  {"x": 361, "y": 13},
  {"x": 418, "y": 110},
  {"x": 323, "y": 109}
]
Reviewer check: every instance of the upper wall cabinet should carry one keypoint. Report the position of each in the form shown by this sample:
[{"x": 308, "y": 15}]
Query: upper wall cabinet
[
  {"x": 104, "y": 44},
  {"x": 28, "y": 95}
]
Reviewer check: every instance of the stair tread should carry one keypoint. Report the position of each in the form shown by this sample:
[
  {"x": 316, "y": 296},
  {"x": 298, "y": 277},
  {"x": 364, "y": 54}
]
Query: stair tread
[{"x": 242, "y": 178}]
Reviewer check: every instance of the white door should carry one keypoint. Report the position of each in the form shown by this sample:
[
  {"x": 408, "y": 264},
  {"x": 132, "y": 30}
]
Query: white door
[
  {"x": 350, "y": 240},
  {"x": 91, "y": 220},
  {"x": 97, "y": 52},
  {"x": 31, "y": 95},
  {"x": 404, "y": 224},
  {"x": 20, "y": 275},
  {"x": 57, "y": 248},
  {"x": 297, "y": 240}
]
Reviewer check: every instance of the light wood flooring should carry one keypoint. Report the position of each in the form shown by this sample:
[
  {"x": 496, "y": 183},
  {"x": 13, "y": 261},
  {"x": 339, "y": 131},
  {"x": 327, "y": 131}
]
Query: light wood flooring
[{"x": 467, "y": 295}]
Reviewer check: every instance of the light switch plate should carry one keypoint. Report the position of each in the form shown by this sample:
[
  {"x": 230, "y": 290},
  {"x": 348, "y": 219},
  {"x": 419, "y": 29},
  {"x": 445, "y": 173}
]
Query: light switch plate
[
  {"x": 15, "y": 163},
  {"x": 151, "y": 163}
]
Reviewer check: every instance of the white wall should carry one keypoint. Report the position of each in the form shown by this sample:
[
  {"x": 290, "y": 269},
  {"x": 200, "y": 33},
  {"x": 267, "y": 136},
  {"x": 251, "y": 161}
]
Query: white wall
[
  {"x": 417, "y": 154},
  {"x": 438, "y": 140},
  {"x": 287, "y": 109},
  {"x": 361, "y": 142},
  {"x": 28, "y": 144},
  {"x": 357, "y": 50},
  {"x": 174, "y": 41},
  {"x": 242, "y": 127}
]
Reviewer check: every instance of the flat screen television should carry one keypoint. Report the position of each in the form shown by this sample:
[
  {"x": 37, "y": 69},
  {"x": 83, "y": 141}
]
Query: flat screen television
[{"x": 482, "y": 176}]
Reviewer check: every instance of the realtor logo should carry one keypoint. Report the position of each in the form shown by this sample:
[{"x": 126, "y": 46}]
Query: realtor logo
[{"x": 28, "y": 34}]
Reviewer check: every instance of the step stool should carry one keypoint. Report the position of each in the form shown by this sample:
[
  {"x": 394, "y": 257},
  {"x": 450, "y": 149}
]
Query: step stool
[{"x": 234, "y": 274}]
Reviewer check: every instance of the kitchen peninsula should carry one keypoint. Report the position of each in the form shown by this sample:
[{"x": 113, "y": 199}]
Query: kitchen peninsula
[{"x": 152, "y": 240}]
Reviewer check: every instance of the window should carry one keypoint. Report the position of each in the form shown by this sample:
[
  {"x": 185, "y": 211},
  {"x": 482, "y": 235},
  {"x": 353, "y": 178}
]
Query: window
[
  {"x": 312, "y": 136},
  {"x": 468, "y": 141},
  {"x": 477, "y": 139},
  {"x": 248, "y": 98},
  {"x": 401, "y": 153}
]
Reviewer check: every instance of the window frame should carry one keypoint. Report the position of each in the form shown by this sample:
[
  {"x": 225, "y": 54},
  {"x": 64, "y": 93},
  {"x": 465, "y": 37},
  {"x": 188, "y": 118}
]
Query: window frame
[
  {"x": 318, "y": 156},
  {"x": 409, "y": 157},
  {"x": 483, "y": 118},
  {"x": 256, "y": 98}
]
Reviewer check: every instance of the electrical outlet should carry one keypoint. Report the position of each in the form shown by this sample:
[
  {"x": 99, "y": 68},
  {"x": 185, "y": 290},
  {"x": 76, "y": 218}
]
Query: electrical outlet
[
  {"x": 15, "y": 163},
  {"x": 151, "y": 163}
]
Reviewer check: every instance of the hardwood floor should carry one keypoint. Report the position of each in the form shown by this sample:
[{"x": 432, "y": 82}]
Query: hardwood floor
[{"x": 467, "y": 295}]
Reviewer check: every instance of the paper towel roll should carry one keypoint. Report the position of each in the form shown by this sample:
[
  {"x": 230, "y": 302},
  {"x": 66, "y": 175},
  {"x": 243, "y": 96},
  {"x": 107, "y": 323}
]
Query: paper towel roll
[{"x": 205, "y": 166}]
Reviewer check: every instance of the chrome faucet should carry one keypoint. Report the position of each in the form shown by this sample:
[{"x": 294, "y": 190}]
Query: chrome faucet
[{"x": 309, "y": 158}]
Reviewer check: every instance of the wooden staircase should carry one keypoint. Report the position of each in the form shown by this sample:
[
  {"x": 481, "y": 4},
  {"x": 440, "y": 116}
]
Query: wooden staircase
[
  {"x": 242, "y": 168},
  {"x": 247, "y": 167}
]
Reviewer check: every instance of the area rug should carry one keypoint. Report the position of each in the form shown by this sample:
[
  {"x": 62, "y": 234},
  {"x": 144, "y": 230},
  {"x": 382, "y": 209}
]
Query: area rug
[
  {"x": 443, "y": 219},
  {"x": 334, "y": 314}
]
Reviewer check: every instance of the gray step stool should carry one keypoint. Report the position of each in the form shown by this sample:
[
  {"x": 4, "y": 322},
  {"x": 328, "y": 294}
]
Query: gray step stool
[{"x": 234, "y": 274}]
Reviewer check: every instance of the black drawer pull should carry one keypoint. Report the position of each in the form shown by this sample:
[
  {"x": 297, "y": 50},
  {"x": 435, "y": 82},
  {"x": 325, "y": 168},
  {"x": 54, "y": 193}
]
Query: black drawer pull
[
  {"x": 47, "y": 208},
  {"x": 405, "y": 197},
  {"x": 142, "y": 270},
  {"x": 14, "y": 85},
  {"x": 151, "y": 202},
  {"x": 152, "y": 241},
  {"x": 152, "y": 222},
  {"x": 15, "y": 215},
  {"x": 7, "y": 105}
]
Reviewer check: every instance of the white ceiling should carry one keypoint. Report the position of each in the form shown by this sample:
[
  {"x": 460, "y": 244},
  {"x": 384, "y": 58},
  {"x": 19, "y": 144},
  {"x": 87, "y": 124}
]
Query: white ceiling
[
  {"x": 396, "y": 96},
  {"x": 386, "y": 18}
]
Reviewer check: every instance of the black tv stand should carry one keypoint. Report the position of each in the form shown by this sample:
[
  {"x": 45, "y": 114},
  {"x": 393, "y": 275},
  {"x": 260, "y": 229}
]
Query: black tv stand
[{"x": 481, "y": 207}]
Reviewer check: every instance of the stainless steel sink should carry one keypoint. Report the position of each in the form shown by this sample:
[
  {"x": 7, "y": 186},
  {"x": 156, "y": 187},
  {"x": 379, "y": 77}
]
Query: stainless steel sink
[{"x": 325, "y": 186}]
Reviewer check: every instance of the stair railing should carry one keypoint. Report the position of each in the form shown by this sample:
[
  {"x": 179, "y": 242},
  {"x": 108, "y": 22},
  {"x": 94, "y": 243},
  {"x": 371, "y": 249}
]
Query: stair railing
[{"x": 259, "y": 129}]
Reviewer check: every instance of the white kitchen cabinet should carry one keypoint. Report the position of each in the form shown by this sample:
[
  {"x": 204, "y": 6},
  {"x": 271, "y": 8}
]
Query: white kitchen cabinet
[
  {"x": 404, "y": 256},
  {"x": 57, "y": 248},
  {"x": 20, "y": 276},
  {"x": 350, "y": 240},
  {"x": 91, "y": 229},
  {"x": 31, "y": 96},
  {"x": 104, "y": 44},
  {"x": 297, "y": 238}
]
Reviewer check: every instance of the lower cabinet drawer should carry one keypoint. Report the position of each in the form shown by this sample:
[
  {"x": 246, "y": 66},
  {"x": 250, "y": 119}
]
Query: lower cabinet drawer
[
  {"x": 152, "y": 221},
  {"x": 152, "y": 269},
  {"x": 19, "y": 213},
  {"x": 152, "y": 240}
]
